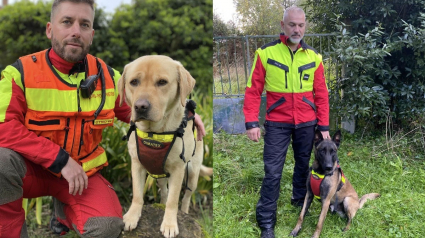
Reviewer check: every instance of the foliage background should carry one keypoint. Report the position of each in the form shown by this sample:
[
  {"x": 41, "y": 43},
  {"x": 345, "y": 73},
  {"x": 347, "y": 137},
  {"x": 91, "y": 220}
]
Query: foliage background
[
  {"x": 381, "y": 52},
  {"x": 179, "y": 29}
]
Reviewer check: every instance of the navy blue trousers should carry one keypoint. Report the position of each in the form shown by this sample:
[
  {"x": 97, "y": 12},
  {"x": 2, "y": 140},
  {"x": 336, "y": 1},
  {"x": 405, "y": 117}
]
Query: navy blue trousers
[{"x": 276, "y": 142}]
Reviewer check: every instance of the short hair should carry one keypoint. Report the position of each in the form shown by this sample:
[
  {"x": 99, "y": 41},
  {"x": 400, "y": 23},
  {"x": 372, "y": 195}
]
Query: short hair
[
  {"x": 57, "y": 2},
  {"x": 292, "y": 9}
]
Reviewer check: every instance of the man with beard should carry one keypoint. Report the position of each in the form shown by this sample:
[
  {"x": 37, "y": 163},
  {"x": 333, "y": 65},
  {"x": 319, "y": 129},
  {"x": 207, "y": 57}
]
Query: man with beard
[
  {"x": 51, "y": 119},
  {"x": 297, "y": 101}
]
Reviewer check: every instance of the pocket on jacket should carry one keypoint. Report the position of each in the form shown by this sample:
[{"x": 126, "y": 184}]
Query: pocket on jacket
[
  {"x": 276, "y": 104},
  {"x": 309, "y": 103}
]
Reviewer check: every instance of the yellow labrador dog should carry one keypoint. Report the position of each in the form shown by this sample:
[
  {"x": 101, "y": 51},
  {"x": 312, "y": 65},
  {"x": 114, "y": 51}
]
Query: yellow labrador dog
[{"x": 156, "y": 88}]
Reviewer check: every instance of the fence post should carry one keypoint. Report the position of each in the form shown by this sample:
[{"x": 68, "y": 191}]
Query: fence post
[
  {"x": 244, "y": 59},
  {"x": 247, "y": 54}
]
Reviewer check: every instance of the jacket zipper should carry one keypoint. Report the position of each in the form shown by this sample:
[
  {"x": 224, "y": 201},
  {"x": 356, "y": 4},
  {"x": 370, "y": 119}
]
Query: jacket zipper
[
  {"x": 81, "y": 136},
  {"x": 301, "y": 82},
  {"x": 66, "y": 132},
  {"x": 78, "y": 99},
  {"x": 286, "y": 79}
]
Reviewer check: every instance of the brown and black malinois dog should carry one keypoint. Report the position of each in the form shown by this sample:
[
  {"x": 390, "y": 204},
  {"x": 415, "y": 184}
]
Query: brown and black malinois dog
[{"x": 333, "y": 189}]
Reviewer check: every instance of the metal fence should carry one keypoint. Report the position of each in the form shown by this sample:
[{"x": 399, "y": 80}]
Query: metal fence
[{"x": 233, "y": 56}]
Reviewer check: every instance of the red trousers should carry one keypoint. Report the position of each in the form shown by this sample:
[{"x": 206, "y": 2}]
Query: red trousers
[{"x": 98, "y": 201}]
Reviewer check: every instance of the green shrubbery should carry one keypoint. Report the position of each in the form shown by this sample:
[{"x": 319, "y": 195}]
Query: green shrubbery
[{"x": 381, "y": 53}]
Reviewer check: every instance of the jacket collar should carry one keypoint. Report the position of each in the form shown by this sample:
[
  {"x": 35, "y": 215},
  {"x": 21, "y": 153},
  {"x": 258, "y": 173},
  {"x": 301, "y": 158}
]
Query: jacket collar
[
  {"x": 285, "y": 38},
  {"x": 64, "y": 66}
]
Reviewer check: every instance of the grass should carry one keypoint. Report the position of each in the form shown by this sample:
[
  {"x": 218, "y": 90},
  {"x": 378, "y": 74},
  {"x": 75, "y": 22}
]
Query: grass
[{"x": 369, "y": 164}]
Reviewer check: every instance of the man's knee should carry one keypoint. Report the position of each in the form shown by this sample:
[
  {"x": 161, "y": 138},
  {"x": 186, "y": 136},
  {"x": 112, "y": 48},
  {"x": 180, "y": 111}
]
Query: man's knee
[
  {"x": 12, "y": 171},
  {"x": 102, "y": 227}
]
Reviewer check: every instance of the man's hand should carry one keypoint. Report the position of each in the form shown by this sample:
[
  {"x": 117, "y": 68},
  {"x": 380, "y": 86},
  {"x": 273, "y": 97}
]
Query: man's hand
[
  {"x": 254, "y": 134},
  {"x": 200, "y": 127},
  {"x": 325, "y": 134},
  {"x": 76, "y": 177}
]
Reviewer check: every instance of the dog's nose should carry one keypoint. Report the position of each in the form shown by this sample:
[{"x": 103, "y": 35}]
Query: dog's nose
[
  {"x": 141, "y": 105},
  {"x": 328, "y": 168}
]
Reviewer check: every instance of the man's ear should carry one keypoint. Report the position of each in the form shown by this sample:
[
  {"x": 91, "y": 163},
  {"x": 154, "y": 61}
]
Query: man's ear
[
  {"x": 49, "y": 30},
  {"x": 337, "y": 138},
  {"x": 92, "y": 37}
]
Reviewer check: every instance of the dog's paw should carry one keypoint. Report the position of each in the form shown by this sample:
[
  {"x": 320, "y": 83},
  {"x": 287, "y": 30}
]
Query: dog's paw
[
  {"x": 169, "y": 230},
  {"x": 295, "y": 231},
  {"x": 131, "y": 218}
]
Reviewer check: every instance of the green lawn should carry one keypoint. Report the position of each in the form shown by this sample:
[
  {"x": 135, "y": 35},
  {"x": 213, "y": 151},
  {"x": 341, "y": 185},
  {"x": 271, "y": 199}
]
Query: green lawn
[{"x": 396, "y": 172}]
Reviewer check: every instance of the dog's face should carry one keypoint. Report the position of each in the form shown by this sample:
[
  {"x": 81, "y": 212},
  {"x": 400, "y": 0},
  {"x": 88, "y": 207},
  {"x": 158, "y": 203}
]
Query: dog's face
[
  {"x": 326, "y": 150},
  {"x": 153, "y": 84}
]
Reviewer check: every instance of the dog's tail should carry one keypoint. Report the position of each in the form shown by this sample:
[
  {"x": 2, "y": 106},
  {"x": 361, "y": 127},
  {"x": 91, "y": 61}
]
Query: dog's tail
[
  {"x": 205, "y": 171},
  {"x": 369, "y": 196}
]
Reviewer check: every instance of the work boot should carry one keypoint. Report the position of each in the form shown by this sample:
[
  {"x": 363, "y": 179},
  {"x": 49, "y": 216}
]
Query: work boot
[
  {"x": 297, "y": 202},
  {"x": 57, "y": 227},
  {"x": 267, "y": 233}
]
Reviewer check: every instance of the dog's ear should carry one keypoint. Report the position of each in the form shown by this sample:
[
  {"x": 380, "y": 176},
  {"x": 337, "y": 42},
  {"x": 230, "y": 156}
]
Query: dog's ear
[
  {"x": 186, "y": 83},
  {"x": 318, "y": 137},
  {"x": 121, "y": 86},
  {"x": 337, "y": 138}
]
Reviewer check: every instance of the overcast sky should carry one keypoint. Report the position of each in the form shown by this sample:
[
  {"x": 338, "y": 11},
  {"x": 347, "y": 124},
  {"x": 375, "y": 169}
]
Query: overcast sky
[
  {"x": 108, "y": 5},
  {"x": 225, "y": 9}
]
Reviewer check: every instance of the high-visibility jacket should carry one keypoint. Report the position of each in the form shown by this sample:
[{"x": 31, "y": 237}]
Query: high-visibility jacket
[
  {"x": 54, "y": 110},
  {"x": 296, "y": 91}
]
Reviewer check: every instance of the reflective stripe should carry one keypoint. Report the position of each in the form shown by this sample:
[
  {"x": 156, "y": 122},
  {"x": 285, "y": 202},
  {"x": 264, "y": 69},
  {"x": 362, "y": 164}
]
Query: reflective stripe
[
  {"x": 249, "y": 83},
  {"x": 158, "y": 176},
  {"x": 160, "y": 138},
  {"x": 277, "y": 64},
  {"x": 103, "y": 122},
  {"x": 306, "y": 66},
  {"x": 92, "y": 103},
  {"x": 93, "y": 163},
  {"x": 66, "y": 100},
  {"x": 321, "y": 176},
  {"x": 5, "y": 97}
]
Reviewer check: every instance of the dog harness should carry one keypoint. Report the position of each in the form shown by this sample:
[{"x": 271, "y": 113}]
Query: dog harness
[
  {"x": 316, "y": 179},
  {"x": 153, "y": 148}
]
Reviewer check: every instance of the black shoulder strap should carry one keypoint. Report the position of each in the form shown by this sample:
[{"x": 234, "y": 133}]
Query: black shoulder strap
[
  {"x": 20, "y": 68},
  {"x": 111, "y": 73}
]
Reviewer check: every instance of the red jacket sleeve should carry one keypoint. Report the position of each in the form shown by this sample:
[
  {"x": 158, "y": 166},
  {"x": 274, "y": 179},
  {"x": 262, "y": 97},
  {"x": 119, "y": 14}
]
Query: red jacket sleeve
[
  {"x": 122, "y": 112},
  {"x": 321, "y": 98},
  {"x": 254, "y": 89},
  {"x": 16, "y": 136}
]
